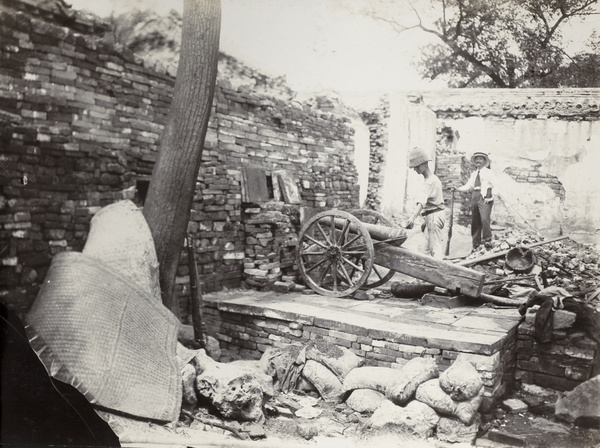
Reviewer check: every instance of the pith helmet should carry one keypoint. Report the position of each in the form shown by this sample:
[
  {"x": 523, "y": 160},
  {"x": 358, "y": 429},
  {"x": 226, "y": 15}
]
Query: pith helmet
[
  {"x": 417, "y": 156},
  {"x": 480, "y": 154}
]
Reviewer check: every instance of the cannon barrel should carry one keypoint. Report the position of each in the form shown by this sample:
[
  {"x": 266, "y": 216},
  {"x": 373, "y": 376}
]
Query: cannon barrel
[{"x": 376, "y": 231}]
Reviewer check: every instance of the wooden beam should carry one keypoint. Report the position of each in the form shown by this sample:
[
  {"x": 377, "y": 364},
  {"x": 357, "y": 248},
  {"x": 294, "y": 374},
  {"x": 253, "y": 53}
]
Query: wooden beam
[
  {"x": 458, "y": 279},
  {"x": 494, "y": 255}
]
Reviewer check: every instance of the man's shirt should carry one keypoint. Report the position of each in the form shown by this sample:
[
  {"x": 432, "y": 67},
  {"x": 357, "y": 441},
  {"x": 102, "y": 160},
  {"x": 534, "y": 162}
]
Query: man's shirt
[{"x": 487, "y": 178}]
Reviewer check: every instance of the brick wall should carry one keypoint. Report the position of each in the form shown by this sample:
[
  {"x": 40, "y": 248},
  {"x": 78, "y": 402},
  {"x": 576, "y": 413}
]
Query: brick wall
[
  {"x": 80, "y": 123},
  {"x": 535, "y": 176},
  {"x": 571, "y": 358}
]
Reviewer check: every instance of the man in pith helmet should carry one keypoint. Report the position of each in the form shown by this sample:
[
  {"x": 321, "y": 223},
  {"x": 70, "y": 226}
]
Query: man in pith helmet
[
  {"x": 482, "y": 183},
  {"x": 430, "y": 204}
]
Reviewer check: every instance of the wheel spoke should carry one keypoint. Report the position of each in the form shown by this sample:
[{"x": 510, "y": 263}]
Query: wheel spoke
[
  {"x": 317, "y": 242},
  {"x": 332, "y": 225},
  {"x": 355, "y": 266},
  {"x": 352, "y": 241},
  {"x": 316, "y": 265},
  {"x": 323, "y": 274},
  {"x": 322, "y": 233},
  {"x": 312, "y": 253},
  {"x": 334, "y": 275},
  {"x": 344, "y": 232},
  {"x": 377, "y": 272},
  {"x": 354, "y": 252},
  {"x": 346, "y": 276}
]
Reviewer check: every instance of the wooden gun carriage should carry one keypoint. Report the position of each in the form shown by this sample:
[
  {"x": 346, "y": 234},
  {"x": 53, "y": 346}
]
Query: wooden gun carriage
[{"x": 341, "y": 252}]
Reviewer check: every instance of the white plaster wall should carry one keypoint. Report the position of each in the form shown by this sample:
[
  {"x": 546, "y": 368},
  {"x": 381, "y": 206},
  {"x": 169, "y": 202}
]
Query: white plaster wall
[
  {"x": 361, "y": 157},
  {"x": 569, "y": 150},
  {"x": 409, "y": 125}
]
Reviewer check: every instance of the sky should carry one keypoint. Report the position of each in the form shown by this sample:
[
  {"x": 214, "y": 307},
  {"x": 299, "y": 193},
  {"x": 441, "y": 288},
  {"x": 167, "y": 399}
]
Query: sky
[{"x": 317, "y": 44}]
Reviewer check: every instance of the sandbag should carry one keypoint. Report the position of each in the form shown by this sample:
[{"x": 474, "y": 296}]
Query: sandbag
[
  {"x": 120, "y": 238},
  {"x": 283, "y": 365},
  {"x": 376, "y": 378},
  {"x": 411, "y": 375},
  {"x": 365, "y": 400},
  {"x": 339, "y": 360},
  {"x": 433, "y": 395},
  {"x": 254, "y": 367},
  {"x": 461, "y": 380},
  {"x": 454, "y": 431},
  {"x": 328, "y": 385},
  {"x": 416, "y": 418}
]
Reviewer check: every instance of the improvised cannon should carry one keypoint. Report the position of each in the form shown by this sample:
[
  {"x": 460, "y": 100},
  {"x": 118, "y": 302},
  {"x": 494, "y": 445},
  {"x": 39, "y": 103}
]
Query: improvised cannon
[{"x": 340, "y": 252}]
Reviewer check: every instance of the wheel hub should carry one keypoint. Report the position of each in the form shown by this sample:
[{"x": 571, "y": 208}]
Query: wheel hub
[{"x": 333, "y": 252}]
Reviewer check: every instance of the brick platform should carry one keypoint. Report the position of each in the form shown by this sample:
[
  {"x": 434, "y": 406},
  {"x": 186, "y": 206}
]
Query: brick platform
[{"x": 386, "y": 332}]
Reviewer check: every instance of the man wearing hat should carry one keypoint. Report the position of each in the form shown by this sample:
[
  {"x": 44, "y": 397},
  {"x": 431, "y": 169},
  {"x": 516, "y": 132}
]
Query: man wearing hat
[
  {"x": 430, "y": 204},
  {"x": 481, "y": 183}
]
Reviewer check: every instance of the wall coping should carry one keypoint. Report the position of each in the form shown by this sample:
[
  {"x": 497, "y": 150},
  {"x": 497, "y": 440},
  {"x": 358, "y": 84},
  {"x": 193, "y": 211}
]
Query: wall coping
[
  {"x": 470, "y": 330},
  {"x": 521, "y": 103}
]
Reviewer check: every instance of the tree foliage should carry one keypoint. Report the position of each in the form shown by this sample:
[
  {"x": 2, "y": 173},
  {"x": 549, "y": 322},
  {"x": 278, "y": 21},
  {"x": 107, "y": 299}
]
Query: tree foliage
[
  {"x": 498, "y": 43},
  {"x": 149, "y": 35}
]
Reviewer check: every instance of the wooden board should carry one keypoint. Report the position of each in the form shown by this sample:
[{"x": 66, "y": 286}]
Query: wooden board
[
  {"x": 458, "y": 279},
  {"x": 254, "y": 185},
  {"x": 288, "y": 186}
]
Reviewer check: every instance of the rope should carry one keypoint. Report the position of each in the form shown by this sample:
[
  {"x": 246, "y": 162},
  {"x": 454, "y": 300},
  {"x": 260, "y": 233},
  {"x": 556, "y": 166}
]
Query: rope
[{"x": 520, "y": 216}]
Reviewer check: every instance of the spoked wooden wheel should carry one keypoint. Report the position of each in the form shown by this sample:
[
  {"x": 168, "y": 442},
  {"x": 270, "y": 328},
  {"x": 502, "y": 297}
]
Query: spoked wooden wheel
[
  {"x": 380, "y": 274},
  {"x": 335, "y": 253}
]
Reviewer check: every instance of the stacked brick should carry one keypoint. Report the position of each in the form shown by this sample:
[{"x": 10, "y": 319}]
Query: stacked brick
[
  {"x": 377, "y": 122},
  {"x": 571, "y": 358},
  {"x": 249, "y": 334},
  {"x": 271, "y": 239},
  {"x": 80, "y": 122},
  {"x": 536, "y": 177}
]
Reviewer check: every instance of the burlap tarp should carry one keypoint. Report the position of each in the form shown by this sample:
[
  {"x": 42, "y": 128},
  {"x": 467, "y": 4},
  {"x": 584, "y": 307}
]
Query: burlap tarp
[{"x": 104, "y": 330}]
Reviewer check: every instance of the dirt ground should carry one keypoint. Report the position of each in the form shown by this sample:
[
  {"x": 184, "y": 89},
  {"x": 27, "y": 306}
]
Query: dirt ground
[{"x": 340, "y": 426}]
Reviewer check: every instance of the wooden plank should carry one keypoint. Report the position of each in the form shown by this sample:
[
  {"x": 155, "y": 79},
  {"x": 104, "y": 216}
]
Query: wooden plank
[
  {"x": 288, "y": 186},
  {"x": 255, "y": 184},
  {"x": 458, "y": 279}
]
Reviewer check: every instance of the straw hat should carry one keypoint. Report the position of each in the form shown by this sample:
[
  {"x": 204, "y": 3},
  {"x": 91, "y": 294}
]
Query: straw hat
[{"x": 480, "y": 154}]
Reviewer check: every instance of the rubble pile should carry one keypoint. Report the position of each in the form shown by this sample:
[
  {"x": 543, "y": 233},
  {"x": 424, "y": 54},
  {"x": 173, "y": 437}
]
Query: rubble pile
[
  {"x": 565, "y": 263},
  {"x": 557, "y": 343}
]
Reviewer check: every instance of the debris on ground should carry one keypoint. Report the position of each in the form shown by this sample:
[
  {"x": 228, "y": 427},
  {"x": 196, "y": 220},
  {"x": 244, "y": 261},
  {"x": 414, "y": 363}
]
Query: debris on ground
[
  {"x": 563, "y": 263},
  {"x": 528, "y": 418}
]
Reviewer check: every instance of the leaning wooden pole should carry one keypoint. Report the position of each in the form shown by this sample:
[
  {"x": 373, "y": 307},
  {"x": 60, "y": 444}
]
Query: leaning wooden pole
[{"x": 198, "y": 323}]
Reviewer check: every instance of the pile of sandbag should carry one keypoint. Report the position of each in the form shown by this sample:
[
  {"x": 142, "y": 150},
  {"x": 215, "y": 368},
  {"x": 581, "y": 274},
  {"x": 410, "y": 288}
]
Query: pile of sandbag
[
  {"x": 319, "y": 366},
  {"x": 416, "y": 399}
]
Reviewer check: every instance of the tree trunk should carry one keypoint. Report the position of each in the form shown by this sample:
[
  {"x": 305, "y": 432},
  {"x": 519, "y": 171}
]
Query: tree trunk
[{"x": 173, "y": 182}]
